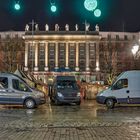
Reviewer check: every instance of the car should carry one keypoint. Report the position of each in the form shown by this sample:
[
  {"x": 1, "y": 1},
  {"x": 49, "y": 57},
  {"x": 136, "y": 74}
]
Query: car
[
  {"x": 15, "y": 91},
  {"x": 65, "y": 90}
]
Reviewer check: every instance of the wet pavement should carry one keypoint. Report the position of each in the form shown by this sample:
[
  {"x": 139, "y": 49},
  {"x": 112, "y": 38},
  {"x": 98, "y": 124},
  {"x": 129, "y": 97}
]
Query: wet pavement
[{"x": 87, "y": 121}]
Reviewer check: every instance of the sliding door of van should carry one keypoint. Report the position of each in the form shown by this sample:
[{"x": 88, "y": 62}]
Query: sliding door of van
[
  {"x": 18, "y": 92},
  {"x": 134, "y": 91}
]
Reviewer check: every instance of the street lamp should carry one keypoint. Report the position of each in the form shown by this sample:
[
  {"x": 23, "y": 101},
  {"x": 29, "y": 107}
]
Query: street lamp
[{"x": 135, "y": 50}]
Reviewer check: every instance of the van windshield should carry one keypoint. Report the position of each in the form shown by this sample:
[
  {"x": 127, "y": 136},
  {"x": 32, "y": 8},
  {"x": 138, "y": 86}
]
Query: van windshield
[
  {"x": 67, "y": 84},
  {"x": 116, "y": 78}
]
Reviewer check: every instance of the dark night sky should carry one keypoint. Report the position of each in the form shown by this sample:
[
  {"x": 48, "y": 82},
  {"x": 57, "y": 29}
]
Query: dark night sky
[{"x": 117, "y": 15}]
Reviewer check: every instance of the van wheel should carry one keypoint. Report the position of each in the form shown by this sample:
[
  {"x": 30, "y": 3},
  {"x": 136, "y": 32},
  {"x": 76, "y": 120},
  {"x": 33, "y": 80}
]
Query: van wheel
[
  {"x": 110, "y": 103},
  {"x": 56, "y": 102},
  {"x": 51, "y": 100},
  {"x": 29, "y": 103}
]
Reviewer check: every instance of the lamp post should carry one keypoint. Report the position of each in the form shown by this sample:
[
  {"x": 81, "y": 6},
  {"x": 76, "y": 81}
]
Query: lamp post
[{"x": 135, "y": 51}]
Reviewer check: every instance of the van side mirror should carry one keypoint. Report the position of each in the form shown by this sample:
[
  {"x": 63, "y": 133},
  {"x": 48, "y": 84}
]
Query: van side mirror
[{"x": 112, "y": 88}]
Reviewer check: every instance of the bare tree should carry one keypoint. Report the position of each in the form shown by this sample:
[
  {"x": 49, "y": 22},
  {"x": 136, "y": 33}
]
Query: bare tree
[
  {"x": 12, "y": 50},
  {"x": 109, "y": 57}
]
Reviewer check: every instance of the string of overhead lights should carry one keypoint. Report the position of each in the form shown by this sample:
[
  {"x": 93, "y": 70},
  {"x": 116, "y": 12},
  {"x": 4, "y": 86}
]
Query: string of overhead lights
[
  {"x": 53, "y": 6},
  {"x": 91, "y": 5}
]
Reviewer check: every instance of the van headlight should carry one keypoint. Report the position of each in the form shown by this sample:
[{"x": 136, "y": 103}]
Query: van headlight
[
  {"x": 59, "y": 94},
  {"x": 100, "y": 93},
  {"x": 78, "y": 94},
  {"x": 40, "y": 94}
]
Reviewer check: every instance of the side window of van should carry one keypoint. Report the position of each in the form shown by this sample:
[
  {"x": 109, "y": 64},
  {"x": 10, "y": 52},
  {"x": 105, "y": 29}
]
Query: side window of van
[
  {"x": 18, "y": 85},
  {"x": 3, "y": 82},
  {"x": 122, "y": 83}
]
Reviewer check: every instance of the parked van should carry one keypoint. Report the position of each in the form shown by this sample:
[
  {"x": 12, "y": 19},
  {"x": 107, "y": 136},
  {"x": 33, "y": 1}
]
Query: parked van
[
  {"x": 15, "y": 91},
  {"x": 65, "y": 90},
  {"x": 125, "y": 90}
]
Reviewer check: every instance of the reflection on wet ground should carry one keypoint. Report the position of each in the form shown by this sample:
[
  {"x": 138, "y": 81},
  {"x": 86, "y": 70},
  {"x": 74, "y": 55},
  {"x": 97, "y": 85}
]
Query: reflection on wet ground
[
  {"x": 85, "y": 122},
  {"x": 87, "y": 111}
]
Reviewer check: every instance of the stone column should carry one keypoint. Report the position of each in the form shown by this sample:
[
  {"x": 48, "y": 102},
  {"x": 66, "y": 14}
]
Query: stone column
[
  {"x": 46, "y": 57},
  {"x": 67, "y": 56},
  {"x": 97, "y": 57},
  {"x": 36, "y": 57},
  {"x": 87, "y": 56},
  {"x": 77, "y": 57},
  {"x": 56, "y": 55},
  {"x": 26, "y": 57}
]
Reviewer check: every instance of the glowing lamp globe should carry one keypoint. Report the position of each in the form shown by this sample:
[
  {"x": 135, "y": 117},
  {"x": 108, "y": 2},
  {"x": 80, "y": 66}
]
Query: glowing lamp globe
[
  {"x": 17, "y": 6},
  {"x": 90, "y": 5},
  {"x": 97, "y": 13},
  {"x": 53, "y": 8}
]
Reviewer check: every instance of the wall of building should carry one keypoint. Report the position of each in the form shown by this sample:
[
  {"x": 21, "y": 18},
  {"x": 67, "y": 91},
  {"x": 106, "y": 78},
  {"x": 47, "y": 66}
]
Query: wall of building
[{"x": 114, "y": 54}]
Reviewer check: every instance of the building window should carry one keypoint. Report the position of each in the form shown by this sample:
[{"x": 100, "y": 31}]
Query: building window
[
  {"x": 82, "y": 56},
  {"x": 62, "y": 54},
  {"x": 109, "y": 37},
  {"x": 7, "y": 36},
  {"x": 31, "y": 52},
  {"x": 41, "y": 56},
  {"x": 125, "y": 37},
  {"x": 134, "y": 37},
  {"x": 117, "y": 37},
  {"x": 16, "y": 36},
  {"x": 72, "y": 56},
  {"x": 92, "y": 56},
  {"x": 31, "y": 56},
  {"x": 51, "y": 56}
]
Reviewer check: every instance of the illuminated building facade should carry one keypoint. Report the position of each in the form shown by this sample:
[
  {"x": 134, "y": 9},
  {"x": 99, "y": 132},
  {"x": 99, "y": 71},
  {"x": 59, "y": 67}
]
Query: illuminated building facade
[{"x": 89, "y": 55}]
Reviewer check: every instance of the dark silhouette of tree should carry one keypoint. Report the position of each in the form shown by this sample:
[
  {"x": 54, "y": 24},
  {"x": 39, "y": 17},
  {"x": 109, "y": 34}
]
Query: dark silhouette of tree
[
  {"x": 109, "y": 59},
  {"x": 12, "y": 53}
]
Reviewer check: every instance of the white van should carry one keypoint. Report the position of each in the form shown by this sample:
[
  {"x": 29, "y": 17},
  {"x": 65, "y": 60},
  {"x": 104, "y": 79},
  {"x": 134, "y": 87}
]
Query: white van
[{"x": 125, "y": 90}]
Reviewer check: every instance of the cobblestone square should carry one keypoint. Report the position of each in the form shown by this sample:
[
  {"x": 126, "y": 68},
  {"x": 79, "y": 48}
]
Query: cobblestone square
[{"x": 69, "y": 122}]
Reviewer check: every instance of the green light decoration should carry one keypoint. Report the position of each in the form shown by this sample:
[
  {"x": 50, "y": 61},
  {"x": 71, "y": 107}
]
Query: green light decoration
[
  {"x": 97, "y": 13},
  {"x": 53, "y": 8},
  {"x": 90, "y": 5},
  {"x": 17, "y": 6}
]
